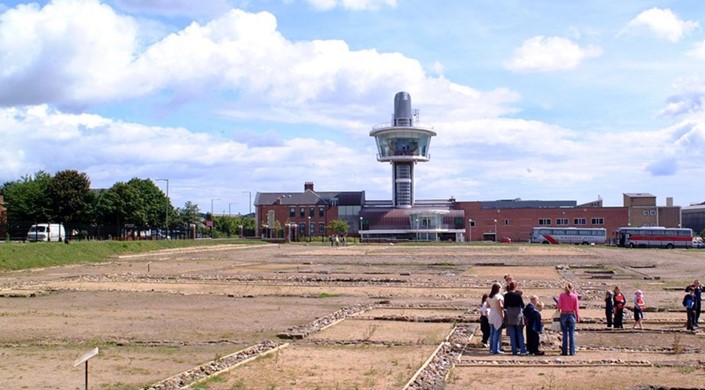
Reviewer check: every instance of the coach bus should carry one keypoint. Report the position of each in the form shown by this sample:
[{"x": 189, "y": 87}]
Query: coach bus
[
  {"x": 654, "y": 237},
  {"x": 568, "y": 235}
]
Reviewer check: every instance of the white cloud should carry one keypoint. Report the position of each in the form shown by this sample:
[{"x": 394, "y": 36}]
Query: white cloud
[
  {"x": 698, "y": 52},
  {"x": 544, "y": 54},
  {"x": 240, "y": 53},
  {"x": 110, "y": 151},
  {"x": 68, "y": 52},
  {"x": 663, "y": 22},
  {"x": 356, "y": 5}
]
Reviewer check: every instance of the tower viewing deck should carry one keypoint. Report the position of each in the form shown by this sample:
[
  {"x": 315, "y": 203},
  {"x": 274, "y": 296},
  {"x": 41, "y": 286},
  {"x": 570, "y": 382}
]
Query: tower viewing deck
[{"x": 403, "y": 144}]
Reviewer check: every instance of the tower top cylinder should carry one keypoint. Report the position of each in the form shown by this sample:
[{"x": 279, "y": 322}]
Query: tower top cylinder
[{"x": 402, "y": 110}]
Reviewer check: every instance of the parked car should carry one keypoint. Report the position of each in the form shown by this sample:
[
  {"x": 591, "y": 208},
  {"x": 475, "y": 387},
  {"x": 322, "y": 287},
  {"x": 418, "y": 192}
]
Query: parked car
[{"x": 698, "y": 242}]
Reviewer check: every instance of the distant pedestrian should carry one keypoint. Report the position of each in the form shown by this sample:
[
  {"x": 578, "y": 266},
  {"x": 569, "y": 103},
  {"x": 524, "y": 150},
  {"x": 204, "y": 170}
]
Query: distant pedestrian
[
  {"x": 485, "y": 319},
  {"x": 638, "y": 309},
  {"x": 697, "y": 295},
  {"x": 570, "y": 315},
  {"x": 619, "y": 302},
  {"x": 689, "y": 304},
  {"x": 609, "y": 307}
]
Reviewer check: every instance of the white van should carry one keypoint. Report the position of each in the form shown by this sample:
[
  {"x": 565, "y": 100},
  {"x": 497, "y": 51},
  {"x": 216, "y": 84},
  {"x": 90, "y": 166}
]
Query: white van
[{"x": 46, "y": 232}]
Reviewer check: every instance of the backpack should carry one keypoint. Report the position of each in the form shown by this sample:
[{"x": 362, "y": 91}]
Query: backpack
[
  {"x": 640, "y": 302},
  {"x": 689, "y": 302},
  {"x": 619, "y": 301}
]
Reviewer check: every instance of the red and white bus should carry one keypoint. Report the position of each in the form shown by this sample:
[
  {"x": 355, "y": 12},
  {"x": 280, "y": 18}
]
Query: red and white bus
[
  {"x": 654, "y": 237},
  {"x": 568, "y": 235}
]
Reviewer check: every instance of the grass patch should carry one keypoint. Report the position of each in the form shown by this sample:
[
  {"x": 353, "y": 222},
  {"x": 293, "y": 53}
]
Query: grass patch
[
  {"x": 18, "y": 256},
  {"x": 328, "y": 295},
  {"x": 204, "y": 384}
]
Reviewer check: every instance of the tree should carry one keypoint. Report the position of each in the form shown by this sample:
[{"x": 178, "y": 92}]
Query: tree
[
  {"x": 28, "y": 201},
  {"x": 189, "y": 214},
  {"x": 138, "y": 202},
  {"x": 338, "y": 226},
  {"x": 71, "y": 197}
]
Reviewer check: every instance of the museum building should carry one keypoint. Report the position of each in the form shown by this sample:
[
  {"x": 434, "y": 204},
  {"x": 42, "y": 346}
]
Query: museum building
[{"x": 403, "y": 144}]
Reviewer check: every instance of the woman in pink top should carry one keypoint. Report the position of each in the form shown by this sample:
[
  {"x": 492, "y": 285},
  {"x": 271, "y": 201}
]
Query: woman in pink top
[{"x": 570, "y": 315}]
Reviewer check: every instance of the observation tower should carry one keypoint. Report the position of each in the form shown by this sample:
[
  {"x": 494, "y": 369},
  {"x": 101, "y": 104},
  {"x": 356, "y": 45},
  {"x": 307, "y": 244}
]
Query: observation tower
[{"x": 403, "y": 144}]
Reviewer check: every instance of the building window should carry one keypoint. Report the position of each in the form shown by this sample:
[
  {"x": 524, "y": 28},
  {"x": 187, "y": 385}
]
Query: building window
[
  {"x": 302, "y": 212},
  {"x": 292, "y": 212},
  {"x": 579, "y": 221},
  {"x": 302, "y": 229},
  {"x": 544, "y": 221},
  {"x": 310, "y": 212},
  {"x": 652, "y": 212},
  {"x": 598, "y": 221},
  {"x": 321, "y": 212},
  {"x": 322, "y": 229},
  {"x": 311, "y": 228},
  {"x": 645, "y": 213},
  {"x": 506, "y": 222},
  {"x": 561, "y": 221}
]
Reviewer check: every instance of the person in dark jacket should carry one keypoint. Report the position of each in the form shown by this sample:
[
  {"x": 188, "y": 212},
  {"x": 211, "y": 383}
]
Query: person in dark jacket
[
  {"x": 534, "y": 325},
  {"x": 698, "y": 299},
  {"x": 514, "y": 304},
  {"x": 609, "y": 307},
  {"x": 689, "y": 304},
  {"x": 484, "y": 319}
]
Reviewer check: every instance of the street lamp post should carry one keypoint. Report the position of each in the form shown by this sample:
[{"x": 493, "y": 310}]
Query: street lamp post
[
  {"x": 166, "y": 214},
  {"x": 212, "y": 215},
  {"x": 249, "y": 199},
  {"x": 495, "y": 231},
  {"x": 417, "y": 229},
  {"x": 212, "y": 200},
  {"x": 360, "y": 229},
  {"x": 470, "y": 222},
  {"x": 229, "y": 211},
  {"x": 309, "y": 229}
]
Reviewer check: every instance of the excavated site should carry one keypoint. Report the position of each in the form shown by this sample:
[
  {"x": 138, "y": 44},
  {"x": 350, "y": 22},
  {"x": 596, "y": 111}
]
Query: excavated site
[{"x": 355, "y": 317}]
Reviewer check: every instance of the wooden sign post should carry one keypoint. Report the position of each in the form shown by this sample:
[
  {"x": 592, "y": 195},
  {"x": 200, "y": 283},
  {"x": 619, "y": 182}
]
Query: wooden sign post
[{"x": 84, "y": 359}]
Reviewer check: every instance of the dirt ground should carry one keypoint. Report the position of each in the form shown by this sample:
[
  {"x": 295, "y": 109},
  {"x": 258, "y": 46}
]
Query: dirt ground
[{"x": 154, "y": 316}]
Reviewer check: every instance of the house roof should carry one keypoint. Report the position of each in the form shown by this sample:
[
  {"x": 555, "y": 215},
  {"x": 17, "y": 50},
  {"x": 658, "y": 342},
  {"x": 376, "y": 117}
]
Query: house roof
[
  {"x": 639, "y": 195},
  {"x": 311, "y": 198}
]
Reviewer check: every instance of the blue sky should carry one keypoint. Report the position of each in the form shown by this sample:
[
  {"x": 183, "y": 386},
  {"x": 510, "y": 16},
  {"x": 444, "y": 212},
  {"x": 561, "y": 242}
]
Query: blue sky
[{"x": 530, "y": 99}]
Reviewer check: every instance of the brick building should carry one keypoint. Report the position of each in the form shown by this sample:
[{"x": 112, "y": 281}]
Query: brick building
[
  {"x": 514, "y": 219},
  {"x": 643, "y": 211},
  {"x": 298, "y": 216}
]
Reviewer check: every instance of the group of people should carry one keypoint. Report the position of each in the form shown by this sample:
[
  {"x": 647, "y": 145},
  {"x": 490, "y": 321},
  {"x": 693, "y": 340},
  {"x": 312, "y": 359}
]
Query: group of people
[
  {"x": 616, "y": 302},
  {"x": 503, "y": 308}
]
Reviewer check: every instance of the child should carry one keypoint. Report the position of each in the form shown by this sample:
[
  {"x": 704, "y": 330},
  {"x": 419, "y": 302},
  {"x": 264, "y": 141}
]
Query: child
[
  {"x": 534, "y": 325},
  {"x": 484, "y": 320},
  {"x": 638, "y": 309},
  {"x": 609, "y": 307},
  {"x": 689, "y": 303}
]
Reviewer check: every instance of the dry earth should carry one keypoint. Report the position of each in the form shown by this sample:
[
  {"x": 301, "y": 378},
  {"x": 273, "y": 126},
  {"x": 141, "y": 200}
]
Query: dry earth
[{"x": 158, "y": 315}]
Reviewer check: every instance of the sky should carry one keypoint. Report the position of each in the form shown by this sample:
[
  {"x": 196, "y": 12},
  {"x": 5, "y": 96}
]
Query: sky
[{"x": 538, "y": 100}]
